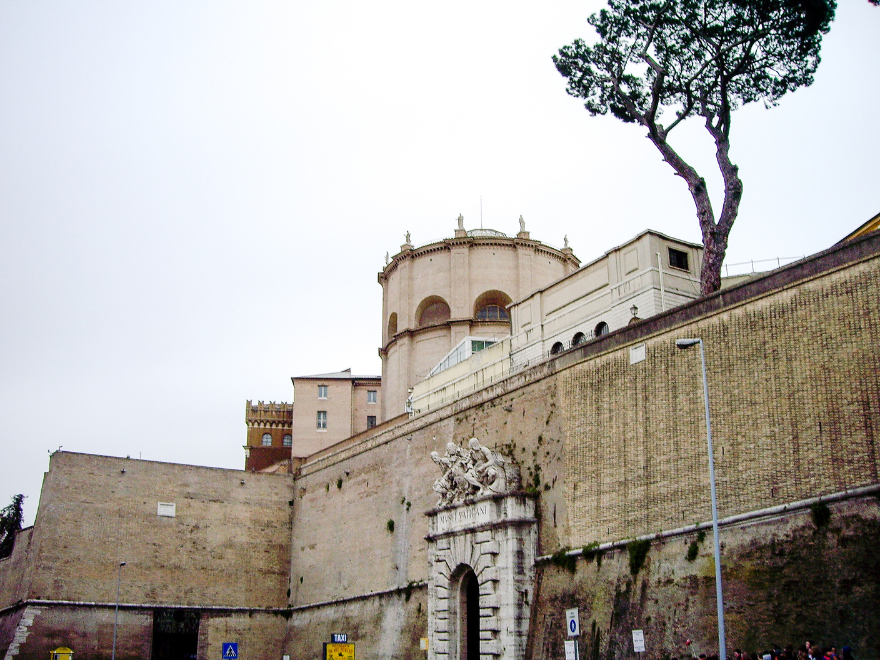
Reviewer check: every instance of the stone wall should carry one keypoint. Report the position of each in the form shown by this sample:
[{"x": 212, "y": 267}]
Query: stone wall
[
  {"x": 616, "y": 450},
  {"x": 386, "y": 625},
  {"x": 13, "y": 569},
  {"x": 88, "y": 630},
  {"x": 227, "y": 545},
  {"x": 225, "y": 552},
  {"x": 795, "y": 406},
  {"x": 785, "y": 581},
  {"x": 612, "y": 449}
]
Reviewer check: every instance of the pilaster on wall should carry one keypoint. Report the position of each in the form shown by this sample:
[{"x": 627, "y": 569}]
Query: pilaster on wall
[{"x": 496, "y": 537}]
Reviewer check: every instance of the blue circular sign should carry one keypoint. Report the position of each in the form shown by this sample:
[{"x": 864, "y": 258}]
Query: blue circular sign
[{"x": 572, "y": 625}]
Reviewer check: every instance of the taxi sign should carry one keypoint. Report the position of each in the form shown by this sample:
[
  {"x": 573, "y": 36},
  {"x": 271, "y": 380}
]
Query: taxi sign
[
  {"x": 61, "y": 653},
  {"x": 338, "y": 651}
]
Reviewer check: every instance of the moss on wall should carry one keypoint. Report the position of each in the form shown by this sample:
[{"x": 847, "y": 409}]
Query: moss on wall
[{"x": 785, "y": 581}]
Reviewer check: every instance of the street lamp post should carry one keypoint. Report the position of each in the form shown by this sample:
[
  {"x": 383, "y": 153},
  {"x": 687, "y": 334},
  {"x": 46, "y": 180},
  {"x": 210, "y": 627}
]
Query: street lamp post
[
  {"x": 719, "y": 598},
  {"x": 116, "y": 613}
]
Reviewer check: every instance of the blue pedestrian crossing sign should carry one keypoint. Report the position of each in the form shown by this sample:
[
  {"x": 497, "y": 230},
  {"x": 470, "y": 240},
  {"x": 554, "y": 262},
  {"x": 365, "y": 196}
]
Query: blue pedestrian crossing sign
[{"x": 230, "y": 650}]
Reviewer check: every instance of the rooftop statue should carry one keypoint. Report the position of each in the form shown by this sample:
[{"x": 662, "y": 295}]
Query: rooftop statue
[
  {"x": 472, "y": 472},
  {"x": 522, "y": 224},
  {"x": 460, "y": 221}
]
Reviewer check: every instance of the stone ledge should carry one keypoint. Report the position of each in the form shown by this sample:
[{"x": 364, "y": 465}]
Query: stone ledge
[{"x": 499, "y": 524}]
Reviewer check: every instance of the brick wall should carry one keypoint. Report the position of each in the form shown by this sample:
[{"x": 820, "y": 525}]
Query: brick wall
[
  {"x": 13, "y": 568},
  {"x": 795, "y": 405},
  {"x": 228, "y": 544}
]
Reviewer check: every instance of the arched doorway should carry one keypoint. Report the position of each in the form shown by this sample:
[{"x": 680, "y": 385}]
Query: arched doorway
[{"x": 467, "y": 639}]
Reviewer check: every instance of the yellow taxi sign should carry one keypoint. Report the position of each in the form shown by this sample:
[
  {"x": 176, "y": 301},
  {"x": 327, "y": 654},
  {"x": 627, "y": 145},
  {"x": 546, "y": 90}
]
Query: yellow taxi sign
[
  {"x": 338, "y": 651},
  {"x": 61, "y": 653}
]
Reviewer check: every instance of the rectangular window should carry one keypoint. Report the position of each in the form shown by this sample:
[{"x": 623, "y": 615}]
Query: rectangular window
[
  {"x": 371, "y": 396},
  {"x": 322, "y": 419},
  {"x": 322, "y": 391},
  {"x": 678, "y": 259},
  {"x": 371, "y": 421}
]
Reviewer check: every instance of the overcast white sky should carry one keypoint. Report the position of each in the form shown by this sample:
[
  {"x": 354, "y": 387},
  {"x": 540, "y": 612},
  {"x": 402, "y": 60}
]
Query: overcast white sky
[{"x": 196, "y": 197}]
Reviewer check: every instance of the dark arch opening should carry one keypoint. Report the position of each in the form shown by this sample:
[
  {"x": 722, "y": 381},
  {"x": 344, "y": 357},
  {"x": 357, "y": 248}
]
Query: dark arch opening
[
  {"x": 601, "y": 329},
  {"x": 557, "y": 348},
  {"x": 392, "y": 325},
  {"x": 492, "y": 306},
  {"x": 431, "y": 311},
  {"x": 469, "y": 617},
  {"x": 578, "y": 339}
]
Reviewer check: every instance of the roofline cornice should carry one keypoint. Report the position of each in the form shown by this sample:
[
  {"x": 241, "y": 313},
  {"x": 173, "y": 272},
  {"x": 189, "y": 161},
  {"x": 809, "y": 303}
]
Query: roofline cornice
[{"x": 448, "y": 244}]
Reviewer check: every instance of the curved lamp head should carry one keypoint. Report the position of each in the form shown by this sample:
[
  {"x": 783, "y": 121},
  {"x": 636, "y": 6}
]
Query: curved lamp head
[{"x": 686, "y": 343}]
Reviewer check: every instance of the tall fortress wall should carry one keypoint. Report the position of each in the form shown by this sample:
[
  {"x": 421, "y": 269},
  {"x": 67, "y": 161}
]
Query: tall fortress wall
[
  {"x": 614, "y": 449},
  {"x": 610, "y": 439}
]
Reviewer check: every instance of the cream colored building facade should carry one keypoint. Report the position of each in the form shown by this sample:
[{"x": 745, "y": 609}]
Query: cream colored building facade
[
  {"x": 641, "y": 278},
  {"x": 435, "y": 295},
  {"x": 332, "y": 407}
]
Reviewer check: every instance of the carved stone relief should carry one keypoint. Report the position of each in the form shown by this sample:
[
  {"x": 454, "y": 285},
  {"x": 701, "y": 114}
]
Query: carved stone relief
[{"x": 473, "y": 472}]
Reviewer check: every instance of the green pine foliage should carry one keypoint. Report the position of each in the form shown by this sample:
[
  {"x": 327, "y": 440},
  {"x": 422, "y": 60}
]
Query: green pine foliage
[
  {"x": 10, "y": 523},
  {"x": 656, "y": 63}
]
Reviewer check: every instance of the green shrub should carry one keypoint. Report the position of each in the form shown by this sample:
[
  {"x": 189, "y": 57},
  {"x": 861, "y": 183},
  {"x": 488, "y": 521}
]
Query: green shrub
[
  {"x": 638, "y": 551},
  {"x": 821, "y": 514},
  {"x": 564, "y": 560}
]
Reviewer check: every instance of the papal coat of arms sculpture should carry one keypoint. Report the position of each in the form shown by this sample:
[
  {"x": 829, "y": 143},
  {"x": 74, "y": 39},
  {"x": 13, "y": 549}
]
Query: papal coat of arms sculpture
[{"x": 482, "y": 544}]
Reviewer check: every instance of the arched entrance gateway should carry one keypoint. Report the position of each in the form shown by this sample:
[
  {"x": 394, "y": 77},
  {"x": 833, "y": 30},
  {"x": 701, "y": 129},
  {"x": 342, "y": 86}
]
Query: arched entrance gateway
[
  {"x": 481, "y": 544},
  {"x": 465, "y": 614}
]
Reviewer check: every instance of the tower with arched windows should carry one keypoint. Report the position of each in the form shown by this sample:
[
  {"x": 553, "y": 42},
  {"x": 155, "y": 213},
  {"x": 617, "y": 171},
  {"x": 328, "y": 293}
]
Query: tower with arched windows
[{"x": 436, "y": 295}]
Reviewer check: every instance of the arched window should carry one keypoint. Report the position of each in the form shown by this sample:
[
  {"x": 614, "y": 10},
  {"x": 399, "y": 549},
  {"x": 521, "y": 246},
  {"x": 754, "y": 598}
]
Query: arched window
[
  {"x": 288, "y": 440},
  {"x": 557, "y": 348},
  {"x": 578, "y": 339},
  {"x": 493, "y": 313},
  {"x": 492, "y": 306},
  {"x": 601, "y": 329},
  {"x": 392, "y": 325},
  {"x": 267, "y": 440},
  {"x": 431, "y": 311}
]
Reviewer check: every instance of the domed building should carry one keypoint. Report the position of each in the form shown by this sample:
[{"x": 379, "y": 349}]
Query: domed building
[{"x": 437, "y": 295}]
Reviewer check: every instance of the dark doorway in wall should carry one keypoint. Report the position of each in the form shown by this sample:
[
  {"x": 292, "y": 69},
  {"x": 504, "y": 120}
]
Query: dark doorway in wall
[
  {"x": 175, "y": 634},
  {"x": 469, "y": 613}
]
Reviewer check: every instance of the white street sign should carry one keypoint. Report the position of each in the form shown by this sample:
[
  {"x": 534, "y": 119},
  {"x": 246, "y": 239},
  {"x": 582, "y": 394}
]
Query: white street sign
[
  {"x": 572, "y": 622},
  {"x": 570, "y": 650},
  {"x": 639, "y": 641}
]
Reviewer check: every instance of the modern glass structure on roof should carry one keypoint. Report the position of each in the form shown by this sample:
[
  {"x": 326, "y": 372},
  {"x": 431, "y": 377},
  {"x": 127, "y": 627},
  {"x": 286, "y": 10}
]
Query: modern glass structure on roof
[{"x": 465, "y": 348}]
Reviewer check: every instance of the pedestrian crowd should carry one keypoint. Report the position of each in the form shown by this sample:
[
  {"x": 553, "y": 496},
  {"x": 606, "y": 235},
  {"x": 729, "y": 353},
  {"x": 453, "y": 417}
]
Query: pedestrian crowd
[{"x": 809, "y": 651}]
